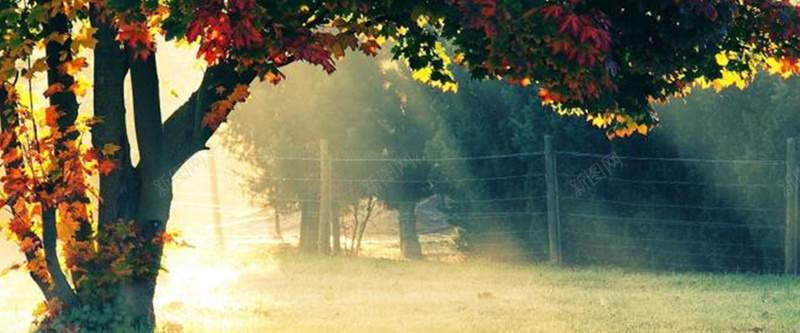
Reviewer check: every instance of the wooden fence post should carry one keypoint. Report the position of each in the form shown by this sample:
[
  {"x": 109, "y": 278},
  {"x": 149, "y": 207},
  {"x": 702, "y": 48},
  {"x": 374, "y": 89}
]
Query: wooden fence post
[
  {"x": 790, "y": 246},
  {"x": 553, "y": 218},
  {"x": 324, "y": 198}
]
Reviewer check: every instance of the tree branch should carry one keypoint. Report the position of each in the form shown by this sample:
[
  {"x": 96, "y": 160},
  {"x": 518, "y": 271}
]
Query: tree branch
[
  {"x": 66, "y": 103},
  {"x": 6, "y": 124},
  {"x": 61, "y": 288},
  {"x": 153, "y": 198},
  {"x": 184, "y": 133},
  {"x": 119, "y": 187}
]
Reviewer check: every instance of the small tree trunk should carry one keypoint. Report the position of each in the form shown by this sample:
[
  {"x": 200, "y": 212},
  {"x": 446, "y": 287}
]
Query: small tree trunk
[
  {"x": 336, "y": 228},
  {"x": 409, "y": 241},
  {"x": 361, "y": 225},
  {"x": 309, "y": 220},
  {"x": 278, "y": 232}
]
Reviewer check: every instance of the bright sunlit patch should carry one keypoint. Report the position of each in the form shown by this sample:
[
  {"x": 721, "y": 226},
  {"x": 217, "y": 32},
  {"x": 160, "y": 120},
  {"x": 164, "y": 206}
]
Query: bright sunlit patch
[
  {"x": 389, "y": 65},
  {"x": 191, "y": 282},
  {"x": 18, "y": 296}
]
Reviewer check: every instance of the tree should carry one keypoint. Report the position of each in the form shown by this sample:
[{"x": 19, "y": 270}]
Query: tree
[
  {"x": 605, "y": 60},
  {"x": 371, "y": 111},
  {"x": 493, "y": 198}
]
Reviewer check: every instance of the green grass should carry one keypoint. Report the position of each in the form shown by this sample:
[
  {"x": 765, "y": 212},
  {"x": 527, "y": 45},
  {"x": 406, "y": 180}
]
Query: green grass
[
  {"x": 313, "y": 294},
  {"x": 261, "y": 292}
]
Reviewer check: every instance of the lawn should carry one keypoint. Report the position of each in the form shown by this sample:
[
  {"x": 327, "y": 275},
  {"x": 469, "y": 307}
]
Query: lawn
[{"x": 258, "y": 290}]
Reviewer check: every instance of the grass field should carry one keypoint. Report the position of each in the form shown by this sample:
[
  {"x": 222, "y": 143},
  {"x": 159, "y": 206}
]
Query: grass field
[{"x": 259, "y": 291}]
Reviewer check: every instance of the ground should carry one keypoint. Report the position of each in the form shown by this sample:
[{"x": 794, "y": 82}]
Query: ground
[{"x": 259, "y": 289}]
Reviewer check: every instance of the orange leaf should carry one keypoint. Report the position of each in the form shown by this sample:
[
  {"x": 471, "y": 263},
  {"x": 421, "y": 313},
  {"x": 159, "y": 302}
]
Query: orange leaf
[
  {"x": 27, "y": 245},
  {"x": 53, "y": 89},
  {"x": 240, "y": 93},
  {"x": 51, "y": 116},
  {"x": 273, "y": 78},
  {"x": 370, "y": 47},
  {"x": 10, "y": 156},
  {"x": 73, "y": 67}
]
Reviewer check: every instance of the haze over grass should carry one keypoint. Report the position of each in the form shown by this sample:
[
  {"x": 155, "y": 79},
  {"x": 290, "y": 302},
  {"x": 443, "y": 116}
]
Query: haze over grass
[{"x": 254, "y": 290}]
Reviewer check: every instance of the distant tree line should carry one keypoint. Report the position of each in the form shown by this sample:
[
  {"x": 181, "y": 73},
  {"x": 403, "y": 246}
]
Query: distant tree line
[{"x": 667, "y": 210}]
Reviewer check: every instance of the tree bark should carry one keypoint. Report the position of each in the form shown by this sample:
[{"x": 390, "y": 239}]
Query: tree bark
[
  {"x": 336, "y": 228},
  {"x": 155, "y": 193},
  {"x": 66, "y": 104},
  {"x": 277, "y": 225},
  {"x": 61, "y": 288},
  {"x": 361, "y": 226},
  {"x": 309, "y": 226},
  {"x": 119, "y": 188},
  {"x": 409, "y": 241}
]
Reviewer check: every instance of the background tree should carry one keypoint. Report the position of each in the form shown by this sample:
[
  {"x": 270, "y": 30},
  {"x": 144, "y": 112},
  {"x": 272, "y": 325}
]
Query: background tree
[
  {"x": 494, "y": 207},
  {"x": 371, "y": 111}
]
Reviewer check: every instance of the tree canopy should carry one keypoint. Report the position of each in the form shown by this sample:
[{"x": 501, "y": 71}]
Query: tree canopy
[{"x": 607, "y": 60}]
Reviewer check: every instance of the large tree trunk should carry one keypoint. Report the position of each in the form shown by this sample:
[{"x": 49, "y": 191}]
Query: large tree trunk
[
  {"x": 136, "y": 199},
  {"x": 409, "y": 241},
  {"x": 155, "y": 193},
  {"x": 309, "y": 226}
]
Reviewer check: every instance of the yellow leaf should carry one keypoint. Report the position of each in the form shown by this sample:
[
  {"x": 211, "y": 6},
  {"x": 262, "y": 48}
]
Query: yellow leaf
[
  {"x": 38, "y": 66},
  {"x": 423, "y": 75},
  {"x": 600, "y": 121},
  {"x": 56, "y": 37},
  {"x": 41, "y": 309},
  {"x": 84, "y": 38},
  {"x": 80, "y": 87},
  {"x": 722, "y": 59},
  {"x": 109, "y": 149}
]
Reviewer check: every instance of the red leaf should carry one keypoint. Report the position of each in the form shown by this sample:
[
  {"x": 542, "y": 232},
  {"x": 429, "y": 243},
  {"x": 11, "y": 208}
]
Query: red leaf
[
  {"x": 552, "y": 12},
  {"x": 571, "y": 23},
  {"x": 106, "y": 166}
]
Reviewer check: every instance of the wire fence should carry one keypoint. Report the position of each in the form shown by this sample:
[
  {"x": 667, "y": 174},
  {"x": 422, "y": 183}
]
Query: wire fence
[{"x": 634, "y": 211}]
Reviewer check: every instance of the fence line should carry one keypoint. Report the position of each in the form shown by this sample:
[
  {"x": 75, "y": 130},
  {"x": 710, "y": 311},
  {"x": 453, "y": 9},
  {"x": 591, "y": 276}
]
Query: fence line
[
  {"x": 676, "y": 205},
  {"x": 674, "y": 159},
  {"x": 654, "y": 218}
]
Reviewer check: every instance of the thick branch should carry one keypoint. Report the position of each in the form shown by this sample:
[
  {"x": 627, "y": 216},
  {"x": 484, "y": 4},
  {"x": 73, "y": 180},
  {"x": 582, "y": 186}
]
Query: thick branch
[
  {"x": 184, "y": 133},
  {"x": 66, "y": 103},
  {"x": 154, "y": 197},
  {"x": 61, "y": 288},
  {"x": 119, "y": 187}
]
